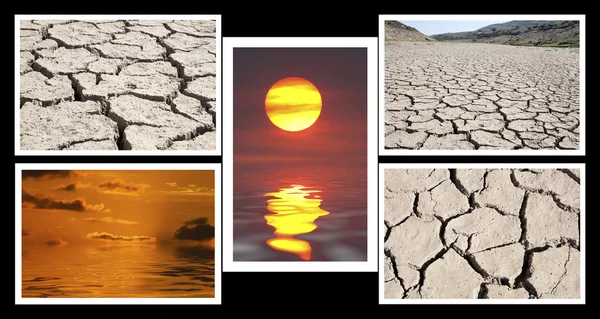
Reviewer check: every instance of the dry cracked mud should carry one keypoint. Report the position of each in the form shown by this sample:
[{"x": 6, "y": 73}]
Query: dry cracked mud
[
  {"x": 481, "y": 233},
  {"x": 474, "y": 96},
  {"x": 118, "y": 85}
]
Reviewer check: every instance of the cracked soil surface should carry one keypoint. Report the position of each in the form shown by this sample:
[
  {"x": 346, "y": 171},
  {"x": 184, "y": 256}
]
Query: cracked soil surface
[
  {"x": 118, "y": 85},
  {"x": 481, "y": 233},
  {"x": 468, "y": 96}
]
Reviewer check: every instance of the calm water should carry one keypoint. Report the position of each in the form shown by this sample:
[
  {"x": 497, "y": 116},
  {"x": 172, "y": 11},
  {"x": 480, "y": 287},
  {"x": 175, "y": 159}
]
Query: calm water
[
  {"x": 294, "y": 214},
  {"x": 125, "y": 271}
]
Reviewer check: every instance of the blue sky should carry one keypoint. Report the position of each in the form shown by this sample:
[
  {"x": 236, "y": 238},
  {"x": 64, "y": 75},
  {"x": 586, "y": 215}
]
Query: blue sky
[{"x": 431, "y": 27}]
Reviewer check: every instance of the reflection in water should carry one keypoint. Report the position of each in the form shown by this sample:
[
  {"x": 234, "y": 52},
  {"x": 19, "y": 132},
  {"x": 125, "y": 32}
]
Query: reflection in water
[
  {"x": 194, "y": 273},
  {"x": 119, "y": 271},
  {"x": 293, "y": 211},
  {"x": 340, "y": 236}
]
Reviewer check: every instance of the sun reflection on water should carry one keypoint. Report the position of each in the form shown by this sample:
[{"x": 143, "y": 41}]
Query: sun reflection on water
[{"x": 293, "y": 211}]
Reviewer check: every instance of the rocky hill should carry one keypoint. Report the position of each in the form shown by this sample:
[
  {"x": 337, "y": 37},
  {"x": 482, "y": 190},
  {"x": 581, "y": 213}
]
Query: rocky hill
[
  {"x": 528, "y": 33},
  {"x": 397, "y": 31}
]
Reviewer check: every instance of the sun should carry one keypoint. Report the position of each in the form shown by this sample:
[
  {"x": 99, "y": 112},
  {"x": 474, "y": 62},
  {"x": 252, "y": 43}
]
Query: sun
[{"x": 293, "y": 104}]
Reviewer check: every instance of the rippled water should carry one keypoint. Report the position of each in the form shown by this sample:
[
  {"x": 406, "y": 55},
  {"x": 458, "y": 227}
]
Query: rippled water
[
  {"x": 295, "y": 214},
  {"x": 120, "y": 271}
]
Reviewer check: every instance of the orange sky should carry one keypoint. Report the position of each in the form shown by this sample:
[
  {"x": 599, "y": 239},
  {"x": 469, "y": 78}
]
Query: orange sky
[
  {"x": 337, "y": 137},
  {"x": 116, "y": 206}
]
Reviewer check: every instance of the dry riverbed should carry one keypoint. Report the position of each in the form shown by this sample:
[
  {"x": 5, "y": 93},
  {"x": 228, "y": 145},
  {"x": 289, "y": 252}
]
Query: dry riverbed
[
  {"x": 126, "y": 85},
  {"x": 465, "y": 96}
]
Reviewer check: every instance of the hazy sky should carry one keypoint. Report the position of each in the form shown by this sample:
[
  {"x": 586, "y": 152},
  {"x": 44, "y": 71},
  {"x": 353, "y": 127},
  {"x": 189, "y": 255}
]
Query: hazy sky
[
  {"x": 431, "y": 27},
  {"x": 340, "y": 133},
  {"x": 116, "y": 206}
]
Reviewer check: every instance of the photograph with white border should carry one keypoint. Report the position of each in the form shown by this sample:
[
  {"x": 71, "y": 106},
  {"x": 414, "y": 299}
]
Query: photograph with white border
[
  {"x": 277, "y": 231},
  {"x": 482, "y": 84},
  {"x": 118, "y": 233},
  {"x": 117, "y": 84},
  {"x": 482, "y": 233}
]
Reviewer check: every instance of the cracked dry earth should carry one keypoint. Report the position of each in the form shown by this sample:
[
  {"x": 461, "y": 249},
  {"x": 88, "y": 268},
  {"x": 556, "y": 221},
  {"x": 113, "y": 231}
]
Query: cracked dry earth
[
  {"x": 477, "y": 233},
  {"x": 466, "y": 96},
  {"x": 108, "y": 85}
]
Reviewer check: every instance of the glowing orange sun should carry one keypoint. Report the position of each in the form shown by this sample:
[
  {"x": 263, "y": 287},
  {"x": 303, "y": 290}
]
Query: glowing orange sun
[{"x": 293, "y": 104}]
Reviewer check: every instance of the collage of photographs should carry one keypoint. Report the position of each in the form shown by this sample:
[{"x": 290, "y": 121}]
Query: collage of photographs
[{"x": 315, "y": 140}]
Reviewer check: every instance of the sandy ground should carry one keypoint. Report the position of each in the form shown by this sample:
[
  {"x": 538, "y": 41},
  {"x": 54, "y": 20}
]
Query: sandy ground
[
  {"x": 465, "y": 96},
  {"x": 476, "y": 233},
  {"x": 108, "y": 85}
]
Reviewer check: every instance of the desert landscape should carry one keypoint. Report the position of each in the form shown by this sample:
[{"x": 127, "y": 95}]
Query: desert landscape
[
  {"x": 118, "y": 85},
  {"x": 482, "y": 234},
  {"x": 480, "y": 92}
]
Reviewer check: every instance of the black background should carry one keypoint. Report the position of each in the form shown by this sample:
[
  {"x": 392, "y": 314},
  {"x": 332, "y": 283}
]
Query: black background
[{"x": 294, "y": 293}]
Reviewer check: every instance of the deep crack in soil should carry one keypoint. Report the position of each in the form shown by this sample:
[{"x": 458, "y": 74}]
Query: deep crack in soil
[
  {"x": 118, "y": 85},
  {"x": 466, "y": 96},
  {"x": 482, "y": 233}
]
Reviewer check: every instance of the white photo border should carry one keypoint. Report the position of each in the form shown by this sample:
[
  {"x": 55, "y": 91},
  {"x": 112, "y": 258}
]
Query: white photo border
[
  {"x": 582, "y": 235},
  {"x": 582, "y": 108},
  {"x": 229, "y": 265},
  {"x": 218, "y": 80},
  {"x": 19, "y": 300}
]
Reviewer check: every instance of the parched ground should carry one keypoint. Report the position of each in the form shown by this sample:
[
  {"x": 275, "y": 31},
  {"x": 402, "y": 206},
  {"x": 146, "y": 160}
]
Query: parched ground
[
  {"x": 108, "y": 85},
  {"x": 477, "y": 233},
  {"x": 465, "y": 96}
]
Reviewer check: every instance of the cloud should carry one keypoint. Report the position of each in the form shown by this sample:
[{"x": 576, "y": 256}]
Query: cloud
[
  {"x": 192, "y": 190},
  {"x": 111, "y": 237},
  {"x": 172, "y": 184},
  {"x": 121, "y": 187},
  {"x": 196, "y": 229},
  {"x": 56, "y": 242},
  {"x": 38, "y": 174},
  {"x": 71, "y": 187},
  {"x": 48, "y": 174},
  {"x": 197, "y": 221},
  {"x": 28, "y": 231},
  {"x": 78, "y": 204},
  {"x": 99, "y": 208},
  {"x": 110, "y": 220}
]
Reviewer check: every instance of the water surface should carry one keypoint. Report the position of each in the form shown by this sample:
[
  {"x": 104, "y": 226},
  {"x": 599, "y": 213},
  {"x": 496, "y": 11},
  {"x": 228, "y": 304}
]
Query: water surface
[
  {"x": 295, "y": 213},
  {"x": 118, "y": 271}
]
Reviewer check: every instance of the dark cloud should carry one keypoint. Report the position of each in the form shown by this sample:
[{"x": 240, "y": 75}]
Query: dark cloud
[
  {"x": 196, "y": 229},
  {"x": 40, "y": 202},
  {"x": 27, "y": 231},
  {"x": 78, "y": 204},
  {"x": 109, "y": 236},
  {"x": 197, "y": 221},
  {"x": 119, "y": 186},
  {"x": 71, "y": 187},
  {"x": 37, "y": 174},
  {"x": 56, "y": 242}
]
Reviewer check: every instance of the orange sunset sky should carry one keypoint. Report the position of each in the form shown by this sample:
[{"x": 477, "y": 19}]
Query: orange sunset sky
[
  {"x": 117, "y": 206},
  {"x": 337, "y": 137}
]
